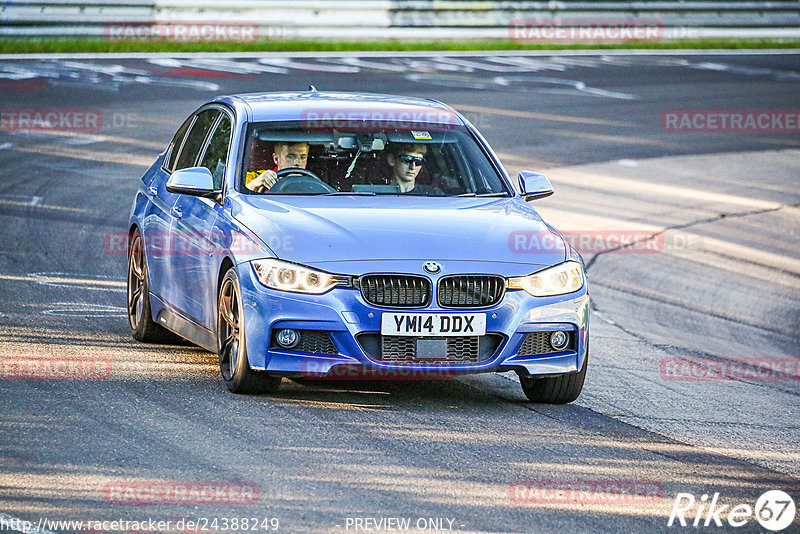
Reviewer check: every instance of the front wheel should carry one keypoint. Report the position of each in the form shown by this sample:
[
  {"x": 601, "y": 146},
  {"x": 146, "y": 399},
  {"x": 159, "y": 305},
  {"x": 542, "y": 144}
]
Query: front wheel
[
  {"x": 232, "y": 344},
  {"x": 558, "y": 389}
]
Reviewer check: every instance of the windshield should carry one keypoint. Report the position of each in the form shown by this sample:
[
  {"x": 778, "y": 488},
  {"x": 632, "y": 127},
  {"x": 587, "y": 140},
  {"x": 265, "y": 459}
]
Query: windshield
[{"x": 291, "y": 158}]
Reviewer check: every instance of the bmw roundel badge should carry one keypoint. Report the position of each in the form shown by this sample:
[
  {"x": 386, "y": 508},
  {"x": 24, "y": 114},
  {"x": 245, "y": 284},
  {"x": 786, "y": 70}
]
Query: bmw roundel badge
[{"x": 432, "y": 267}]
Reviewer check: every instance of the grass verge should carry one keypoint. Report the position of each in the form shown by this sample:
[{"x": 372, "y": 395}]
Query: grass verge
[{"x": 101, "y": 45}]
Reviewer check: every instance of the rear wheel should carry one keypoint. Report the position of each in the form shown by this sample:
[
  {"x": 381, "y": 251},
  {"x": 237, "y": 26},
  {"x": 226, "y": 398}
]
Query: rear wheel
[
  {"x": 140, "y": 318},
  {"x": 558, "y": 389},
  {"x": 232, "y": 344}
]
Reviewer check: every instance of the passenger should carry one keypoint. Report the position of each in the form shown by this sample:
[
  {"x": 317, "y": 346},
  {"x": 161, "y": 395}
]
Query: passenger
[
  {"x": 285, "y": 156},
  {"x": 406, "y": 161}
]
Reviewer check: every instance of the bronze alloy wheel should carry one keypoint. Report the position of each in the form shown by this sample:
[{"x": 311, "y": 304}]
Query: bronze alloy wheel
[
  {"x": 232, "y": 343},
  {"x": 136, "y": 282},
  {"x": 139, "y": 315},
  {"x": 228, "y": 324}
]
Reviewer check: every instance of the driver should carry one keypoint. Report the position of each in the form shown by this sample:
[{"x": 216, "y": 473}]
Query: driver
[{"x": 285, "y": 155}]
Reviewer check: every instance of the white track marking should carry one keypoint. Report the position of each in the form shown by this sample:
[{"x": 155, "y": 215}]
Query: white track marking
[
  {"x": 84, "y": 309},
  {"x": 225, "y": 65},
  {"x": 528, "y": 64},
  {"x": 67, "y": 279},
  {"x": 24, "y": 200},
  {"x": 359, "y": 62},
  {"x": 289, "y": 63},
  {"x": 77, "y": 70},
  {"x": 101, "y": 77},
  {"x": 90, "y": 138},
  {"x": 391, "y": 54}
]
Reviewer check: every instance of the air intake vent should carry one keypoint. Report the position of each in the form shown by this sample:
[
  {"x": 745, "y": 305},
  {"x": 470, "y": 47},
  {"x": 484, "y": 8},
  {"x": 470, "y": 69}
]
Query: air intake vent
[
  {"x": 539, "y": 343},
  {"x": 470, "y": 291},
  {"x": 429, "y": 350},
  {"x": 396, "y": 290}
]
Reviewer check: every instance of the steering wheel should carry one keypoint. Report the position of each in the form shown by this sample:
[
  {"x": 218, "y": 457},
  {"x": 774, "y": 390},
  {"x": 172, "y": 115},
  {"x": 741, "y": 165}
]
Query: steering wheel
[{"x": 298, "y": 180}]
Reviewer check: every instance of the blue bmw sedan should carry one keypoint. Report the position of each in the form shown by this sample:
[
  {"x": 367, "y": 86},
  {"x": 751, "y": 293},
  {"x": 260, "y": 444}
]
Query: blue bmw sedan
[{"x": 319, "y": 234}]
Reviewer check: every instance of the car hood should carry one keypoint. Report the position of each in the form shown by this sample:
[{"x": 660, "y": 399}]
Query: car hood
[{"x": 319, "y": 230}]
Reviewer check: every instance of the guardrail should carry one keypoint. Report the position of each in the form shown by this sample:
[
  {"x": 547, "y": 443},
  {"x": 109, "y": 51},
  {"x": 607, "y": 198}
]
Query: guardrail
[{"x": 414, "y": 19}]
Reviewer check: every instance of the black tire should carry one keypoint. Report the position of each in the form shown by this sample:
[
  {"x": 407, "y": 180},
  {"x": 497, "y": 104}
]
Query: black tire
[
  {"x": 140, "y": 318},
  {"x": 232, "y": 344},
  {"x": 557, "y": 389}
]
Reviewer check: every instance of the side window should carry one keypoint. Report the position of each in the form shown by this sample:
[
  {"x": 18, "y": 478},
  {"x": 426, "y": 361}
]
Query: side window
[
  {"x": 216, "y": 155},
  {"x": 197, "y": 135},
  {"x": 175, "y": 145}
]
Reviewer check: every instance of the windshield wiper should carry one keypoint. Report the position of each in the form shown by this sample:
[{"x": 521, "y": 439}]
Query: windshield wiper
[
  {"x": 343, "y": 193},
  {"x": 483, "y": 195}
]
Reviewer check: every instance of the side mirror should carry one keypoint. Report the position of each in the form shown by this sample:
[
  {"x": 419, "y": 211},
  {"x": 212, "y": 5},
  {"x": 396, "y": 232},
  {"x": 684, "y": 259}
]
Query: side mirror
[
  {"x": 534, "y": 185},
  {"x": 195, "y": 181}
]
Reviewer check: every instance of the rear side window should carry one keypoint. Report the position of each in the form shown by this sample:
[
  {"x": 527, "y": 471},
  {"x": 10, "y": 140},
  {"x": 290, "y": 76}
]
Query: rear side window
[
  {"x": 197, "y": 135},
  {"x": 175, "y": 145},
  {"x": 216, "y": 155}
]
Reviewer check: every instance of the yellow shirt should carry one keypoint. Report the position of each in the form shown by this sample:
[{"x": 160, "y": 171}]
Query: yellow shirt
[{"x": 252, "y": 175}]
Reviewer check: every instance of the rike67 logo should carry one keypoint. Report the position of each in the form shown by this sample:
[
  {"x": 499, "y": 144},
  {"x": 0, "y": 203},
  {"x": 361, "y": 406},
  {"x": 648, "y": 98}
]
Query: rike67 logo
[{"x": 774, "y": 510}]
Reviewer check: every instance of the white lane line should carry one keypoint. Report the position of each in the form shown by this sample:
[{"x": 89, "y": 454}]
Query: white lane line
[
  {"x": 24, "y": 200},
  {"x": 217, "y": 64},
  {"x": 89, "y": 155},
  {"x": 538, "y": 116},
  {"x": 431, "y": 53},
  {"x": 64, "y": 279},
  {"x": 576, "y": 176},
  {"x": 746, "y": 71},
  {"x": 48, "y": 135},
  {"x": 528, "y": 64},
  {"x": 486, "y": 65},
  {"x": 10, "y": 523},
  {"x": 84, "y": 309},
  {"x": 32, "y": 201},
  {"x": 358, "y": 62},
  {"x": 603, "y": 318},
  {"x": 316, "y": 67},
  {"x": 432, "y": 64},
  {"x": 5, "y": 146}
]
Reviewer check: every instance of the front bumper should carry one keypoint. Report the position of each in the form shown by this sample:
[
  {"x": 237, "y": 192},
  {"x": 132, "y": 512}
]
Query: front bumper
[{"x": 343, "y": 314}]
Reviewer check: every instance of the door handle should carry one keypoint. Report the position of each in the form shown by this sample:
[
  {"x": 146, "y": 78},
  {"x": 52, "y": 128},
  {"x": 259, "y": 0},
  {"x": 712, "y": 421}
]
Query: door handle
[
  {"x": 176, "y": 211},
  {"x": 153, "y": 190}
]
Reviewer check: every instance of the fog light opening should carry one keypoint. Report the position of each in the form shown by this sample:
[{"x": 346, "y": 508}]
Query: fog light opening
[
  {"x": 559, "y": 340},
  {"x": 287, "y": 338}
]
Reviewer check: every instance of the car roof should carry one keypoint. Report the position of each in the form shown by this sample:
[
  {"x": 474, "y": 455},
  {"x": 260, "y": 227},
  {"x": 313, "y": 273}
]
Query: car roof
[{"x": 312, "y": 104}]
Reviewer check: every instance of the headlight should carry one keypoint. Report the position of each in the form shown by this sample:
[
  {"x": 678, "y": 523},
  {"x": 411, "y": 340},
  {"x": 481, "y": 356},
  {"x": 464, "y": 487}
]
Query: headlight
[
  {"x": 285, "y": 276},
  {"x": 560, "y": 279}
]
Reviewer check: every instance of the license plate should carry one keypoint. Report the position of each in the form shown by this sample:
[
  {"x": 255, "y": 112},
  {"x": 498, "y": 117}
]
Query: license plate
[{"x": 433, "y": 324}]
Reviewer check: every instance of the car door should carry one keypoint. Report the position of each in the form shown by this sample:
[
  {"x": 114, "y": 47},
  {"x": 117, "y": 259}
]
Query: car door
[
  {"x": 194, "y": 265},
  {"x": 157, "y": 217}
]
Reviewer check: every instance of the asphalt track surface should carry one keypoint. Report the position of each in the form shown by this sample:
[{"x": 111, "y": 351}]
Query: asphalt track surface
[{"x": 722, "y": 286}]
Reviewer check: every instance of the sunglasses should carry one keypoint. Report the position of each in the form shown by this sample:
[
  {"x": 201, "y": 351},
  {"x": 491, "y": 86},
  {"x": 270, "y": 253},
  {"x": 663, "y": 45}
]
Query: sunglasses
[{"x": 408, "y": 160}]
